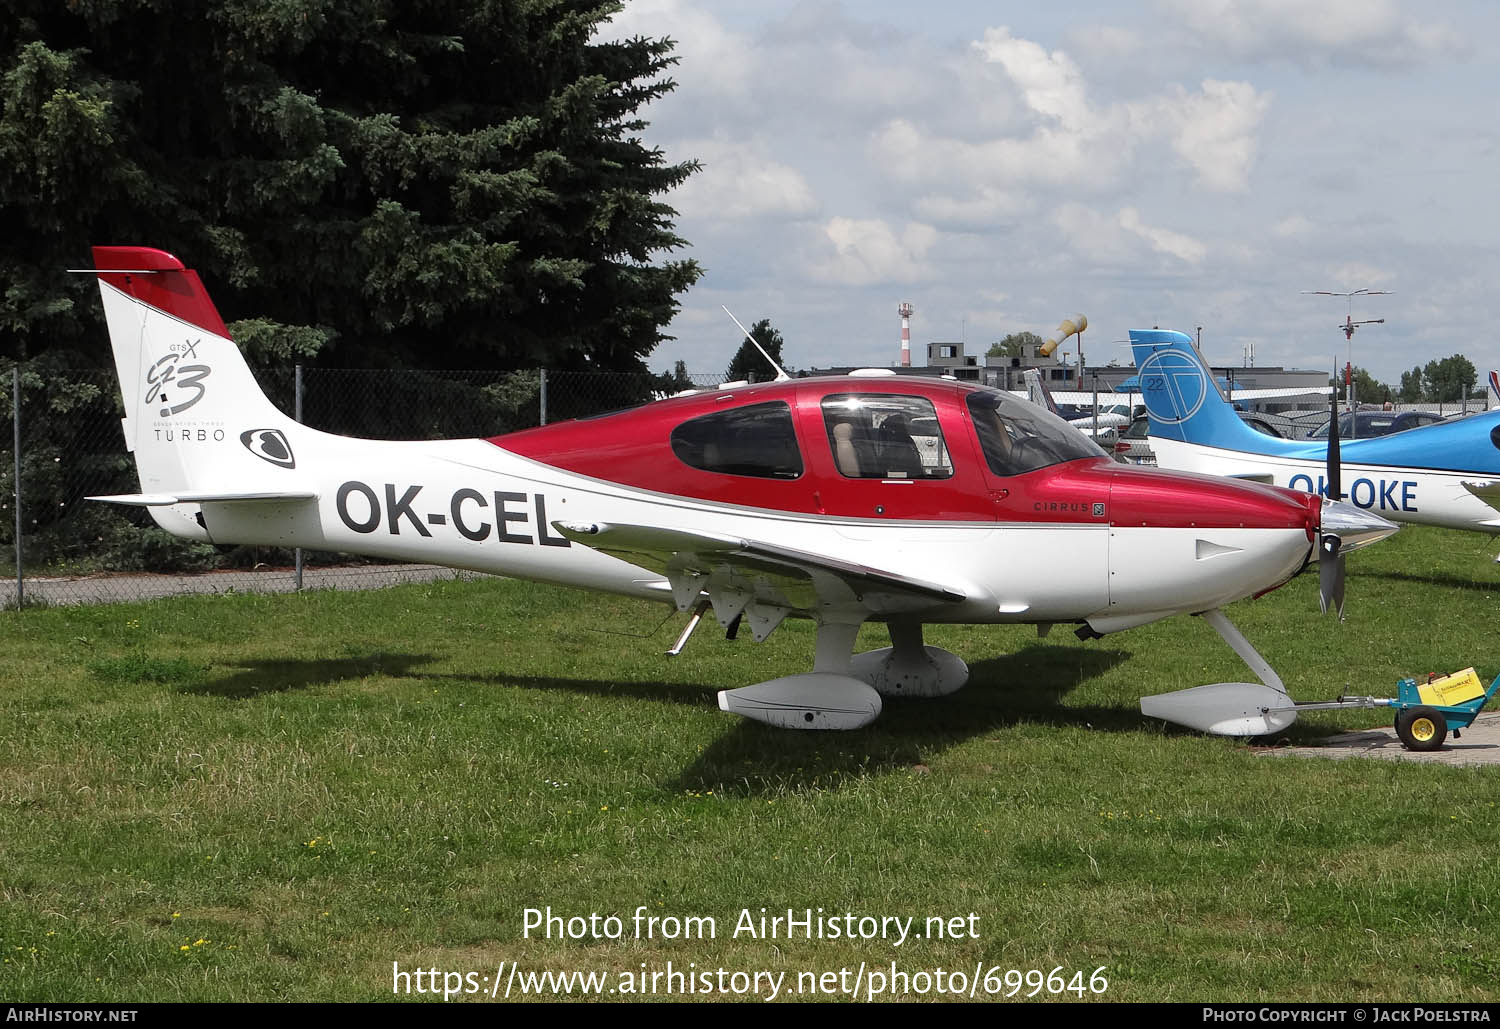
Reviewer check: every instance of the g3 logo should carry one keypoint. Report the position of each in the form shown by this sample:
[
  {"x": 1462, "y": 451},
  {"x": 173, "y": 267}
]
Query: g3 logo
[{"x": 169, "y": 372}]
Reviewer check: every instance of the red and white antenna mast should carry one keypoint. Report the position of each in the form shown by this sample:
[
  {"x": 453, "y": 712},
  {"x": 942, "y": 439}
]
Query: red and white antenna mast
[
  {"x": 905, "y": 311},
  {"x": 1348, "y": 330}
]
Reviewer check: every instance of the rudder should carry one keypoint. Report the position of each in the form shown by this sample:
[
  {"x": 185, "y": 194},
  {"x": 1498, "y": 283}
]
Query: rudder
[
  {"x": 1182, "y": 400},
  {"x": 195, "y": 418}
]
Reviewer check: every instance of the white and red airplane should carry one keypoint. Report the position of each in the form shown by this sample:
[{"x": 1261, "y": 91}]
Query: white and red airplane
[{"x": 842, "y": 500}]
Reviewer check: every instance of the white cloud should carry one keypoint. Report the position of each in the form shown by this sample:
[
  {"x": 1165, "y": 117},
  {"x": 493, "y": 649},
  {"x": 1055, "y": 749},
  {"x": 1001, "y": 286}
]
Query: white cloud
[
  {"x": 1116, "y": 239},
  {"x": 738, "y": 182},
  {"x": 1358, "y": 275},
  {"x": 1163, "y": 241},
  {"x": 1294, "y": 227},
  {"x": 716, "y": 60},
  {"x": 1215, "y": 130},
  {"x": 1069, "y": 141},
  {"x": 1326, "y": 31},
  {"x": 1134, "y": 171},
  {"x": 1088, "y": 234},
  {"x": 868, "y": 251},
  {"x": 1108, "y": 42},
  {"x": 987, "y": 207},
  {"x": 1051, "y": 83}
]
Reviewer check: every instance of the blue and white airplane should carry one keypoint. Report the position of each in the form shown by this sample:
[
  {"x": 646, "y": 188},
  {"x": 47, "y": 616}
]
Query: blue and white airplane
[{"x": 1444, "y": 474}]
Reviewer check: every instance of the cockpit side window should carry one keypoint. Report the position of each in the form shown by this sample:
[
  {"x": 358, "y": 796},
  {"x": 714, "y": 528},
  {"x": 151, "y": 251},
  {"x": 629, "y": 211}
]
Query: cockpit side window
[
  {"x": 880, "y": 436},
  {"x": 1019, "y": 437},
  {"x": 757, "y": 440}
]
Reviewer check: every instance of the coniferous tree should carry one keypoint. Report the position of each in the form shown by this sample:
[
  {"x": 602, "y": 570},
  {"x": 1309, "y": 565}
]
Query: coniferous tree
[
  {"x": 440, "y": 184},
  {"x": 748, "y": 363}
]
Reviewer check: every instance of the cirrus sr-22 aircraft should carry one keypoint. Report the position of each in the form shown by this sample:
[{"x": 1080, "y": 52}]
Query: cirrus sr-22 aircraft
[{"x": 842, "y": 500}]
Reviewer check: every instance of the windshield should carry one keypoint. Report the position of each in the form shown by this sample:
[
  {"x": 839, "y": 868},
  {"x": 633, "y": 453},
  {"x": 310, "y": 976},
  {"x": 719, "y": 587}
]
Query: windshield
[
  {"x": 1017, "y": 436},
  {"x": 1376, "y": 423}
]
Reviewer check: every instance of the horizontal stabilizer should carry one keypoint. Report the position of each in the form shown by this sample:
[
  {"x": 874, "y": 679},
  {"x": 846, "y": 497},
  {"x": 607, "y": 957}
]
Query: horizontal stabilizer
[
  {"x": 1224, "y": 709},
  {"x": 168, "y": 499}
]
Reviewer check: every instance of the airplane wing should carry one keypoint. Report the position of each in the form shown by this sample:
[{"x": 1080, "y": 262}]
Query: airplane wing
[
  {"x": 1107, "y": 420},
  {"x": 763, "y": 582},
  {"x": 1488, "y": 491},
  {"x": 1278, "y": 391},
  {"x": 1085, "y": 398}
]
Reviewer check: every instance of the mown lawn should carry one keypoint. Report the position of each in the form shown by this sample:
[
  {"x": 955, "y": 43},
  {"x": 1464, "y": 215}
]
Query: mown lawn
[{"x": 275, "y": 798}]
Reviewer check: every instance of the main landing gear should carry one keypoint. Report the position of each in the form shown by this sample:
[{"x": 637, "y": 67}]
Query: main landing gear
[{"x": 843, "y": 691}]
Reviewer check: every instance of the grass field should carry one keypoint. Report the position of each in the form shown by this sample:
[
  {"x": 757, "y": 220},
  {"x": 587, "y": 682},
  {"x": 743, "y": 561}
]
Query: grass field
[{"x": 275, "y": 798}]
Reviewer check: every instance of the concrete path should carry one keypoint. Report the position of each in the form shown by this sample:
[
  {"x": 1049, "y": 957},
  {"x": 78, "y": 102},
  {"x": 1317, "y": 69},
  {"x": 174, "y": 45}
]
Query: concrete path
[
  {"x": 124, "y": 588},
  {"x": 1479, "y": 745}
]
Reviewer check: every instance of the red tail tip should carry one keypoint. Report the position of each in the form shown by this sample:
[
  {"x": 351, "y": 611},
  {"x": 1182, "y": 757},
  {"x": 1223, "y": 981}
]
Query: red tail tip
[{"x": 157, "y": 278}]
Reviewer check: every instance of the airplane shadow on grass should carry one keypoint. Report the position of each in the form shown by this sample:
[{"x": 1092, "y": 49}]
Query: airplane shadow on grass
[
  {"x": 1436, "y": 579},
  {"x": 1026, "y": 686},
  {"x": 261, "y": 678}
]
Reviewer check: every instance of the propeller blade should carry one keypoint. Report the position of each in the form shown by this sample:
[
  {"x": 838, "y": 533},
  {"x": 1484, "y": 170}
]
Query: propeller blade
[
  {"x": 1331, "y": 575},
  {"x": 1343, "y": 528},
  {"x": 1331, "y": 560},
  {"x": 1335, "y": 463}
]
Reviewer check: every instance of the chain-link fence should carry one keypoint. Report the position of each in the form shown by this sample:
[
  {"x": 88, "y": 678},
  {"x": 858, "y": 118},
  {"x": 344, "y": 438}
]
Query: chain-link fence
[{"x": 63, "y": 443}]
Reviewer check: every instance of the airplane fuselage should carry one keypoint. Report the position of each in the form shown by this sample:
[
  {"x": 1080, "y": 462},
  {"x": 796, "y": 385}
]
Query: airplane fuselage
[
  {"x": 1427, "y": 496},
  {"x": 475, "y": 505}
]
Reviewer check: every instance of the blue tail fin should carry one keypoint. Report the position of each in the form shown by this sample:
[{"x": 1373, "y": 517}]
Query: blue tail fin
[{"x": 1181, "y": 397}]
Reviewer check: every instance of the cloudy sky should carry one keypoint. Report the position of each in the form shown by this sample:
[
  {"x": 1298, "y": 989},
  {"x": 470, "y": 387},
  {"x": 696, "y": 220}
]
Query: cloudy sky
[{"x": 1162, "y": 162}]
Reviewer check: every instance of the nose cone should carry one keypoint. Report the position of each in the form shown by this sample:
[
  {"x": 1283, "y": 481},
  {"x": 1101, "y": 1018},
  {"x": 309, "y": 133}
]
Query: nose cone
[
  {"x": 1184, "y": 542},
  {"x": 1354, "y": 526}
]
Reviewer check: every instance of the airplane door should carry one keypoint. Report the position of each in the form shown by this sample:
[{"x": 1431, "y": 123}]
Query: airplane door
[{"x": 883, "y": 457}]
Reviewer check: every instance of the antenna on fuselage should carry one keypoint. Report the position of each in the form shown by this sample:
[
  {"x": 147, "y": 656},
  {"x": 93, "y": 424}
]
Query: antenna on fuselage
[{"x": 781, "y": 374}]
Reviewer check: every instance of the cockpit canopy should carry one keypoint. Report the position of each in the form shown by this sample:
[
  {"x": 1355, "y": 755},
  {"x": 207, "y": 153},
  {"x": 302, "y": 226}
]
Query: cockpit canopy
[
  {"x": 1017, "y": 436},
  {"x": 890, "y": 448}
]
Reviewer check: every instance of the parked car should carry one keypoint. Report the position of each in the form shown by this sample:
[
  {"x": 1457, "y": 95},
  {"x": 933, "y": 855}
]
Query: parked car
[
  {"x": 1304, "y": 422},
  {"x": 1276, "y": 425},
  {"x": 1365, "y": 424},
  {"x": 1131, "y": 447}
]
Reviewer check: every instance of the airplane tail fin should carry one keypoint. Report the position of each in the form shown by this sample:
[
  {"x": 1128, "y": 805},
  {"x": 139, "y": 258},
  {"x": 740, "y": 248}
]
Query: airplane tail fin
[
  {"x": 1182, "y": 400},
  {"x": 1037, "y": 391},
  {"x": 195, "y": 418},
  {"x": 1495, "y": 386}
]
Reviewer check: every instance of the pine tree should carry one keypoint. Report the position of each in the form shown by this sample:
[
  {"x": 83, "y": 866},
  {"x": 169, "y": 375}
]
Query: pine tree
[
  {"x": 748, "y": 363},
  {"x": 443, "y": 184}
]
